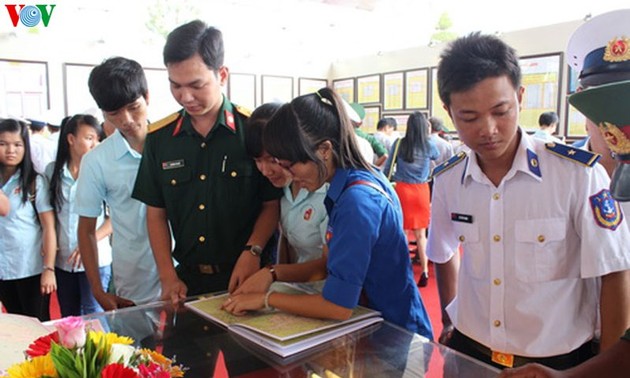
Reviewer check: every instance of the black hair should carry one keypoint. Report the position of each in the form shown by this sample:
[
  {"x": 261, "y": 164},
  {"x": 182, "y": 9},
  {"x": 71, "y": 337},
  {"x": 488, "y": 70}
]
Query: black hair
[
  {"x": 299, "y": 127},
  {"x": 117, "y": 82},
  {"x": 63, "y": 154},
  {"x": 255, "y": 125},
  {"x": 416, "y": 136},
  {"x": 195, "y": 37},
  {"x": 27, "y": 172},
  {"x": 471, "y": 59},
  {"x": 548, "y": 119},
  {"x": 387, "y": 121}
]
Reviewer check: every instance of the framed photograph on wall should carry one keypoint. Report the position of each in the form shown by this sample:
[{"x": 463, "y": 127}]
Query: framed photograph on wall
[
  {"x": 541, "y": 78},
  {"x": 372, "y": 116},
  {"x": 417, "y": 89},
  {"x": 307, "y": 85},
  {"x": 401, "y": 120},
  {"x": 344, "y": 88},
  {"x": 575, "y": 122},
  {"x": 242, "y": 89},
  {"x": 277, "y": 88},
  {"x": 77, "y": 95},
  {"x": 393, "y": 91},
  {"x": 369, "y": 89},
  {"x": 24, "y": 89}
]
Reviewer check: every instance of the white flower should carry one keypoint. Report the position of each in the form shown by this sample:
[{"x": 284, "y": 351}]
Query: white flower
[{"x": 121, "y": 353}]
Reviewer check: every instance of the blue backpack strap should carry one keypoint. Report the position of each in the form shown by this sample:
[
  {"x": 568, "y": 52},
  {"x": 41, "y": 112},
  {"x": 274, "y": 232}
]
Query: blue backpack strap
[{"x": 371, "y": 185}]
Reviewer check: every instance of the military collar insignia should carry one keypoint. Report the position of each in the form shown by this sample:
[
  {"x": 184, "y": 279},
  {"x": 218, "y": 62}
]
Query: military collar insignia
[
  {"x": 229, "y": 120},
  {"x": 532, "y": 163}
]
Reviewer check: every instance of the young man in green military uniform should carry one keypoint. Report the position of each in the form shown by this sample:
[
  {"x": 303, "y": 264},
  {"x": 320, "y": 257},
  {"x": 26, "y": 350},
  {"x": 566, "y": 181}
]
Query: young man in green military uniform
[{"x": 196, "y": 176}]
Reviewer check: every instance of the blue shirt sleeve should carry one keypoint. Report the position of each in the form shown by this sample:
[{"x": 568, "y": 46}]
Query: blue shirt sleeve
[{"x": 354, "y": 224}]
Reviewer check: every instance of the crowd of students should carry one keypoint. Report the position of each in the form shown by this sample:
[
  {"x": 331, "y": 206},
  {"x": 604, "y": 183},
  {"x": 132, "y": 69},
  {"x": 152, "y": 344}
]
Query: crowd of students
[{"x": 220, "y": 183}]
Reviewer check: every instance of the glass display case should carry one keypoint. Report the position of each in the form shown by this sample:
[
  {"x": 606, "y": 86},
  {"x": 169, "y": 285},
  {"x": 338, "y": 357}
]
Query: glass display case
[{"x": 210, "y": 350}]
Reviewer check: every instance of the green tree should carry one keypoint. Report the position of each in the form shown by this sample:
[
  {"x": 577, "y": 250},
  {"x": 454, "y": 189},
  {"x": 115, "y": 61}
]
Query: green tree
[
  {"x": 442, "y": 32},
  {"x": 165, "y": 15}
]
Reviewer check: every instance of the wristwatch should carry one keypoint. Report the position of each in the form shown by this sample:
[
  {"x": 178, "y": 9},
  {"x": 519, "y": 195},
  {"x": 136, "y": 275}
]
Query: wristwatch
[{"x": 255, "y": 250}]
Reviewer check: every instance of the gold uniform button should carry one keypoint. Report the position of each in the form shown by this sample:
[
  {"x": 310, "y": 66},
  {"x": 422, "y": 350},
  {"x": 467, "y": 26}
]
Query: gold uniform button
[
  {"x": 206, "y": 328},
  {"x": 461, "y": 238},
  {"x": 202, "y": 239},
  {"x": 233, "y": 174},
  {"x": 496, "y": 238},
  {"x": 497, "y": 281},
  {"x": 541, "y": 238},
  {"x": 497, "y": 323},
  {"x": 496, "y": 196},
  {"x": 203, "y": 144},
  {"x": 202, "y": 206},
  {"x": 202, "y": 177},
  {"x": 173, "y": 182}
]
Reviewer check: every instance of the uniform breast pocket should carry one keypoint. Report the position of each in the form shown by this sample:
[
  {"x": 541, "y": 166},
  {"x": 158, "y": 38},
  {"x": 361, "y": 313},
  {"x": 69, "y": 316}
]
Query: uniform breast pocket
[
  {"x": 238, "y": 181},
  {"x": 541, "y": 250},
  {"x": 177, "y": 181},
  {"x": 474, "y": 259}
]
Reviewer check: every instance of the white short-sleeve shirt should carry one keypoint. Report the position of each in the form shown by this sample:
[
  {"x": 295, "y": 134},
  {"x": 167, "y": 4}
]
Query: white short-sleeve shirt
[
  {"x": 533, "y": 248},
  {"x": 108, "y": 173}
]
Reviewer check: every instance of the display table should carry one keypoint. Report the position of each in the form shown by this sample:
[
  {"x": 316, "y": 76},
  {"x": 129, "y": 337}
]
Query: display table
[{"x": 209, "y": 350}]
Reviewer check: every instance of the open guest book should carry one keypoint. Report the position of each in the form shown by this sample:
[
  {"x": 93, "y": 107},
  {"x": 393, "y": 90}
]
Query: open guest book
[{"x": 282, "y": 333}]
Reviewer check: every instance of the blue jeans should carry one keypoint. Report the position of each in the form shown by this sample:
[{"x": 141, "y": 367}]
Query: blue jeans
[{"x": 74, "y": 292}]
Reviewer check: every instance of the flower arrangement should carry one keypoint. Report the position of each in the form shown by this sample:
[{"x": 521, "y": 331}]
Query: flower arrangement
[{"x": 76, "y": 351}]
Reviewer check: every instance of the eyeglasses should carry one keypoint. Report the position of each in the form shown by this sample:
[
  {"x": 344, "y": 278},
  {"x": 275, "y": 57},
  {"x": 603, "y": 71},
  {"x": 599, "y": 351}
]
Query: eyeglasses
[{"x": 284, "y": 164}]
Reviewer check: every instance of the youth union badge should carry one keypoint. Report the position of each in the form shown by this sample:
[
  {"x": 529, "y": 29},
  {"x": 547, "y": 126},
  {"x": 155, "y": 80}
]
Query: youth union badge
[
  {"x": 329, "y": 234},
  {"x": 606, "y": 210}
]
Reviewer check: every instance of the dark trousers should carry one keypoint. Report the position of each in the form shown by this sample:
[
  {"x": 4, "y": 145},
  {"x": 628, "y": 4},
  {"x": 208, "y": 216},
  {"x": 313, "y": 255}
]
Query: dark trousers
[{"x": 23, "y": 296}]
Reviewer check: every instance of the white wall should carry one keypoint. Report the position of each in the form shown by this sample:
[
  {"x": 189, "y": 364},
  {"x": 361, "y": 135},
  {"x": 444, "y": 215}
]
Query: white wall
[{"x": 548, "y": 39}]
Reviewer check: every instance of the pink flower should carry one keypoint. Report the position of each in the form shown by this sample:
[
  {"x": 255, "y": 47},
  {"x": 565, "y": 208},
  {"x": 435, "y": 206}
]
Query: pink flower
[
  {"x": 71, "y": 332},
  {"x": 153, "y": 370}
]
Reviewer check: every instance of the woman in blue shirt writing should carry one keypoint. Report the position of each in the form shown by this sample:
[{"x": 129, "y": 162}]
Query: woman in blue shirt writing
[{"x": 368, "y": 260}]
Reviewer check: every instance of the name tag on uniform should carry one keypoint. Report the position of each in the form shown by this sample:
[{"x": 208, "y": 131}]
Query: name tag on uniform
[
  {"x": 173, "y": 164},
  {"x": 455, "y": 217}
]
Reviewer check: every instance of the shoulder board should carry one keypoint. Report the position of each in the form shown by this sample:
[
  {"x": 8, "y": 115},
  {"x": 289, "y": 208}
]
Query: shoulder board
[
  {"x": 163, "y": 122},
  {"x": 450, "y": 163},
  {"x": 244, "y": 111},
  {"x": 573, "y": 153}
]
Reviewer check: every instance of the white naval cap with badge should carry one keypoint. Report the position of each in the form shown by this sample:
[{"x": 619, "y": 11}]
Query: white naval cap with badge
[{"x": 600, "y": 50}]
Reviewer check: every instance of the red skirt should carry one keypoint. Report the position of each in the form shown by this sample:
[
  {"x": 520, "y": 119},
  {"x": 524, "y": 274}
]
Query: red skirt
[{"x": 416, "y": 204}]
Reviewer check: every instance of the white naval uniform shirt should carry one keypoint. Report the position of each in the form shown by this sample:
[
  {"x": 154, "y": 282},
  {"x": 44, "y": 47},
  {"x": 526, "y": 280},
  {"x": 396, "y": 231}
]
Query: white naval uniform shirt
[{"x": 531, "y": 252}]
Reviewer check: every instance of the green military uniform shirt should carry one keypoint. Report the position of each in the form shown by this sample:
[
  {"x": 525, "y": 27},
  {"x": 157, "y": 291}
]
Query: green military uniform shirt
[
  {"x": 377, "y": 146},
  {"x": 209, "y": 186}
]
